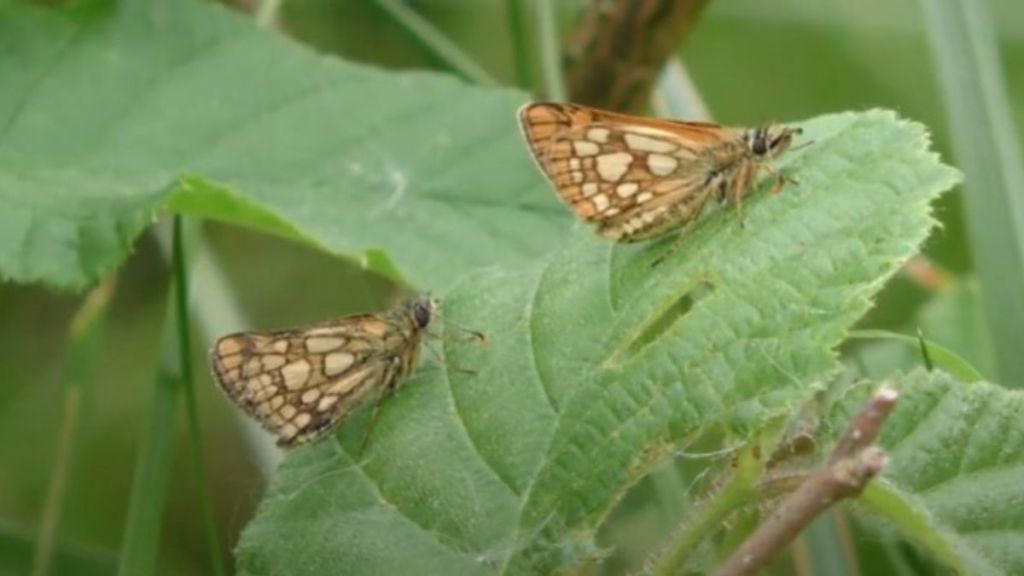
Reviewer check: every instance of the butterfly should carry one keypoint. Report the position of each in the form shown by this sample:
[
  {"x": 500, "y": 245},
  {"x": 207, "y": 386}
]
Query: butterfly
[
  {"x": 300, "y": 383},
  {"x": 638, "y": 178}
]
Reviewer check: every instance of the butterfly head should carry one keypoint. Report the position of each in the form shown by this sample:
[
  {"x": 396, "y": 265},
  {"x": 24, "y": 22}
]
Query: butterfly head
[
  {"x": 770, "y": 141},
  {"x": 422, "y": 309}
]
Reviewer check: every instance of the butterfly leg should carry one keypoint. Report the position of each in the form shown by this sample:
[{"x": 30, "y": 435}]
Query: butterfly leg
[
  {"x": 388, "y": 390},
  {"x": 477, "y": 336},
  {"x": 781, "y": 179},
  {"x": 373, "y": 422}
]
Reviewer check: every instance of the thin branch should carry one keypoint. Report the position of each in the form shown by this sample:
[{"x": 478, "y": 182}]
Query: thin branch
[
  {"x": 85, "y": 336},
  {"x": 619, "y": 48},
  {"x": 927, "y": 274},
  {"x": 850, "y": 467}
]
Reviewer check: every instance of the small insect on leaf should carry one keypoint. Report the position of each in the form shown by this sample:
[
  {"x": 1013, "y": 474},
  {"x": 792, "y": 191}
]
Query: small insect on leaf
[
  {"x": 299, "y": 384},
  {"x": 638, "y": 178}
]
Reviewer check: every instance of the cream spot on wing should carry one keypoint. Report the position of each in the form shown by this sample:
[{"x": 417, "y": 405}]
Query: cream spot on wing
[
  {"x": 310, "y": 396},
  {"x": 627, "y": 189},
  {"x": 574, "y": 163},
  {"x": 228, "y": 346},
  {"x": 273, "y": 361},
  {"x": 326, "y": 402},
  {"x": 577, "y": 177},
  {"x": 600, "y": 202},
  {"x": 302, "y": 419},
  {"x": 612, "y": 211},
  {"x": 337, "y": 363},
  {"x": 288, "y": 431},
  {"x": 611, "y": 167},
  {"x": 586, "y": 148},
  {"x": 276, "y": 402},
  {"x": 644, "y": 197},
  {"x": 376, "y": 326},
  {"x": 320, "y": 344},
  {"x": 279, "y": 346},
  {"x": 598, "y": 134},
  {"x": 296, "y": 374},
  {"x": 288, "y": 411},
  {"x": 645, "y": 144},
  {"x": 589, "y": 189},
  {"x": 322, "y": 331},
  {"x": 661, "y": 165}
]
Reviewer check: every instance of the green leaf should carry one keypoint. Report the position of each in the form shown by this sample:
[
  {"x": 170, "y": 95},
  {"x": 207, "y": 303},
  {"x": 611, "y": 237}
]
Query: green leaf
[
  {"x": 599, "y": 365},
  {"x": 110, "y": 114},
  {"x": 953, "y": 484}
]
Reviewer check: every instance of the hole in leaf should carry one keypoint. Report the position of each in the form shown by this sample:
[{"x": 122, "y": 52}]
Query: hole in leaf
[{"x": 700, "y": 288}]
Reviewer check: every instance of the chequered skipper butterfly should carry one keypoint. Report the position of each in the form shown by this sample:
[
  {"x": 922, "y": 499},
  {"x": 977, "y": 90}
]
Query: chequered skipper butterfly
[
  {"x": 300, "y": 383},
  {"x": 638, "y": 178}
]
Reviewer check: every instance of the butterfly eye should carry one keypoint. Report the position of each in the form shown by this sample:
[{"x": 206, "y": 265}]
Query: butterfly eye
[
  {"x": 422, "y": 315},
  {"x": 760, "y": 146}
]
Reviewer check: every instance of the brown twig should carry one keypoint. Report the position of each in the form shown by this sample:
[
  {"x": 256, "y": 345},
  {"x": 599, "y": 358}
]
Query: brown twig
[
  {"x": 927, "y": 274},
  {"x": 619, "y": 46},
  {"x": 852, "y": 464}
]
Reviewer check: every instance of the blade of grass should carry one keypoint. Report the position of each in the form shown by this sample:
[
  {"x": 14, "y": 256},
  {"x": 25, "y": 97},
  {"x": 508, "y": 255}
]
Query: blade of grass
[
  {"x": 17, "y": 548},
  {"x": 940, "y": 355},
  {"x": 153, "y": 469},
  {"x": 435, "y": 42},
  {"x": 963, "y": 43},
  {"x": 550, "y": 50},
  {"x": 183, "y": 325},
  {"x": 85, "y": 337}
]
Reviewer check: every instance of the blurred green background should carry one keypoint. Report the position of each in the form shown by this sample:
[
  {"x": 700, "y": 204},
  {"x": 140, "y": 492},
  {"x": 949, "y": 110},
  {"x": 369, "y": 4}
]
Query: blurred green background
[{"x": 751, "y": 60}]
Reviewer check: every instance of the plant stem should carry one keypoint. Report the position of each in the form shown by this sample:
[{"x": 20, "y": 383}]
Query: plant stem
[
  {"x": 435, "y": 41},
  {"x": 266, "y": 13},
  {"x": 550, "y": 52},
  {"x": 740, "y": 490},
  {"x": 517, "y": 31}
]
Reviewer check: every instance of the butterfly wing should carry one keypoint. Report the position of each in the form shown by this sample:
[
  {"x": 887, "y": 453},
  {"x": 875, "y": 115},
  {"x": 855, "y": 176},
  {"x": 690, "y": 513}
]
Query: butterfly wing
[
  {"x": 298, "y": 383},
  {"x": 634, "y": 177}
]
